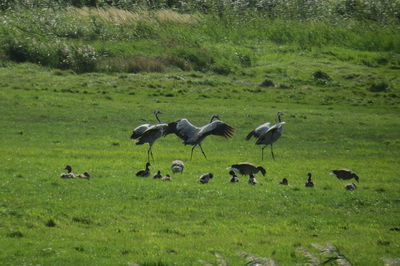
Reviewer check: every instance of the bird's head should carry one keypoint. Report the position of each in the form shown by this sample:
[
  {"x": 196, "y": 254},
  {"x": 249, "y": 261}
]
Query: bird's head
[
  {"x": 309, "y": 175},
  {"x": 232, "y": 173},
  {"x": 157, "y": 112},
  {"x": 68, "y": 168},
  {"x": 356, "y": 177},
  {"x": 214, "y": 116},
  {"x": 86, "y": 174},
  {"x": 148, "y": 164},
  {"x": 262, "y": 170}
]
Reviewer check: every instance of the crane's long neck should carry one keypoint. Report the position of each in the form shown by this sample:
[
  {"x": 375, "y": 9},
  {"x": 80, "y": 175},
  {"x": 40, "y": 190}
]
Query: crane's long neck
[
  {"x": 156, "y": 114},
  {"x": 279, "y": 118}
]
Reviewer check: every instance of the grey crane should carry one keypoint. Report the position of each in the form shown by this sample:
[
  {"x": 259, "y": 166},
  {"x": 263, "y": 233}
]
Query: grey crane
[
  {"x": 193, "y": 135},
  {"x": 267, "y": 134},
  {"x": 147, "y": 133}
]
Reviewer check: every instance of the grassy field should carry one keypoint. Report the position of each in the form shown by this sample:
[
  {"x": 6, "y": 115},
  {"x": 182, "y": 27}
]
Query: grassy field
[{"x": 73, "y": 97}]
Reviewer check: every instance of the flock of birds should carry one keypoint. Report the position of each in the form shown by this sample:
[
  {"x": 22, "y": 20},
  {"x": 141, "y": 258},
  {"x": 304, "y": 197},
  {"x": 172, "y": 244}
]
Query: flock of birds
[
  {"x": 246, "y": 169},
  {"x": 265, "y": 134}
]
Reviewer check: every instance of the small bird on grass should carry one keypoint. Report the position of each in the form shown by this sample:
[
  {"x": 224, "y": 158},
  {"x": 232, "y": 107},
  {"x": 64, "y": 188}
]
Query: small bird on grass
[
  {"x": 69, "y": 173},
  {"x": 284, "y": 182},
  {"x": 204, "y": 178},
  {"x": 177, "y": 166},
  {"x": 234, "y": 178},
  {"x": 84, "y": 175},
  {"x": 252, "y": 180},
  {"x": 158, "y": 175},
  {"x": 145, "y": 172},
  {"x": 246, "y": 168},
  {"x": 309, "y": 182},
  {"x": 167, "y": 177},
  {"x": 351, "y": 187}
]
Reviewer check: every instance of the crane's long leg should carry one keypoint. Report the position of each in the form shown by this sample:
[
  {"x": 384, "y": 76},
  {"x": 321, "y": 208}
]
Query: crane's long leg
[
  {"x": 262, "y": 153},
  {"x": 272, "y": 152},
  {"x": 191, "y": 154},
  {"x": 203, "y": 151},
  {"x": 151, "y": 153},
  {"x": 148, "y": 154}
]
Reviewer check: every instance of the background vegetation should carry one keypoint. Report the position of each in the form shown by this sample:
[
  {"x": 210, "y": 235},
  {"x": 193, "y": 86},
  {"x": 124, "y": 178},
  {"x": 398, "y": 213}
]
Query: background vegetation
[{"x": 77, "y": 76}]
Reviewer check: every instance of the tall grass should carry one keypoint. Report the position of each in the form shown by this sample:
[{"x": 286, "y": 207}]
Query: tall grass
[{"x": 40, "y": 34}]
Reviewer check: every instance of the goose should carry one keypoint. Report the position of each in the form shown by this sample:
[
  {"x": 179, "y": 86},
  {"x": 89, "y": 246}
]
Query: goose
[
  {"x": 204, "y": 178},
  {"x": 252, "y": 180},
  {"x": 167, "y": 177},
  {"x": 158, "y": 175},
  {"x": 69, "y": 173},
  {"x": 84, "y": 175},
  {"x": 234, "y": 178},
  {"x": 351, "y": 187},
  {"x": 284, "y": 182},
  {"x": 345, "y": 174},
  {"x": 177, "y": 166},
  {"x": 309, "y": 182},
  {"x": 145, "y": 172}
]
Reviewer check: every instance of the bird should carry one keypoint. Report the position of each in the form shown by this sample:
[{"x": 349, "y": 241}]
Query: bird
[
  {"x": 145, "y": 172},
  {"x": 193, "y": 135},
  {"x": 267, "y": 134},
  {"x": 167, "y": 177},
  {"x": 204, "y": 178},
  {"x": 158, "y": 175},
  {"x": 177, "y": 166},
  {"x": 252, "y": 180},
  {"x": 69, "y": 173},
  {"x": 246, "y": 168},
  {"x": 284, "y": 182},
  {"x": 345, "y": 174},
  {"x": 84, "y": 175},
  {"x": 147, "y": 133},
  {"x": 309, "y": 182},
  {"x": 234, "y": 178},
  {"x": 351, "y": 186}
]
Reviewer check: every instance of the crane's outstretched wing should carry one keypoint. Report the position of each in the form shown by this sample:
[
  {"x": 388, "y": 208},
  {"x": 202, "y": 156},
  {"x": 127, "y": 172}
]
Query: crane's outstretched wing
[
  {"x": 138, "y": 131},
  {"x": 152, "y": 133},
  {"x": 271, "y": 135},
  {"x": 183, "y": 129},
  {"x": 217, "y": 128},
  {"x": 259, "y": 131}
]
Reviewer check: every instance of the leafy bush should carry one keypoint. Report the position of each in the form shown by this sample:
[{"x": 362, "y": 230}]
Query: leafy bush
[{"x": 80, "y": 58}]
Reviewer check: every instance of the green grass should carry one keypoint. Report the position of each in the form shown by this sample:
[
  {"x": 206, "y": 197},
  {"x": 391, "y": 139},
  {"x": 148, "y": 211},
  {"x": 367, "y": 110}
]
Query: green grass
[
  {"x": 51, "y": 118},
  {"x": 72, "y": 88}
]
